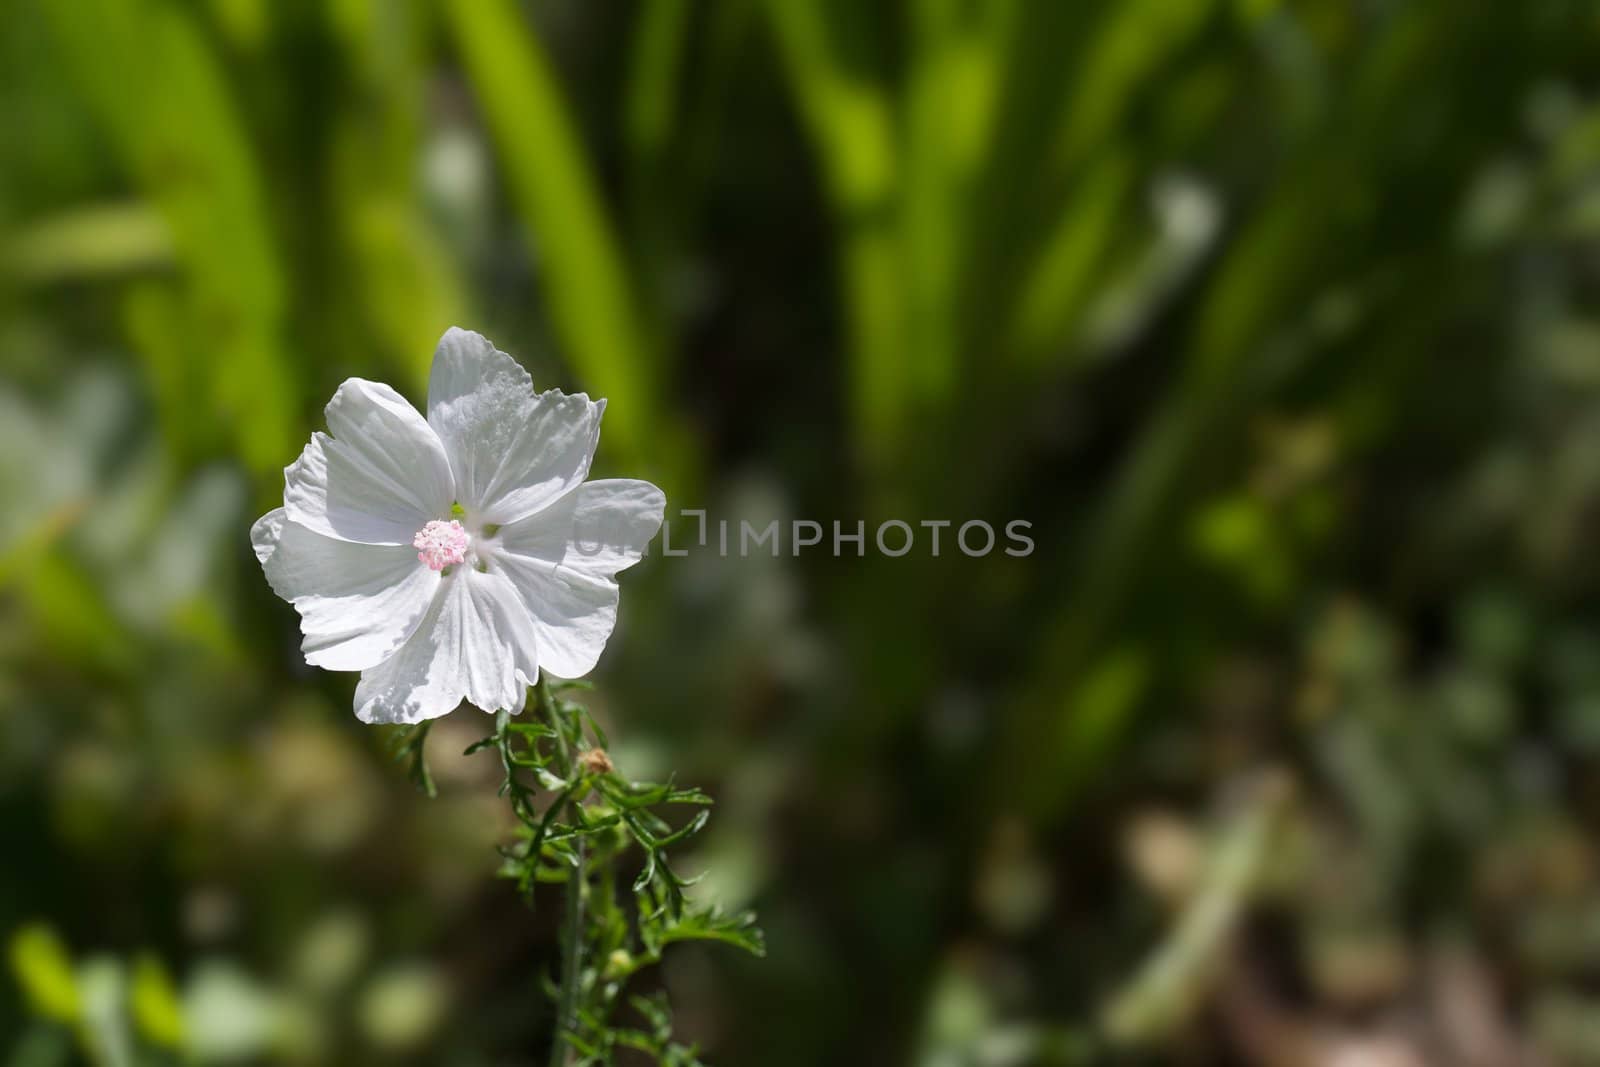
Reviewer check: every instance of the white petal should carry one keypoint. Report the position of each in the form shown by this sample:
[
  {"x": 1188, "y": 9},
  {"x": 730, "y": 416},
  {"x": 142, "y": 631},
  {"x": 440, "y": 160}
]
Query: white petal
[
  {"x": 378, "y": 479},
  {"x": 476, "y": 642},
  {"x": 357, "y": 603},
  {"x": 599, "y": 528},
  {"x": 512, "y": 451},
  {"x": 573, "y": 612}
]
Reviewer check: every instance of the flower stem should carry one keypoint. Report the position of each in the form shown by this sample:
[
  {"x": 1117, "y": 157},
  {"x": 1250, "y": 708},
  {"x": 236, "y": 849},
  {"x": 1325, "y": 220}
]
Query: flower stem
[
  {"x": 571, "y": 963},
  {"x": 554, "y": 754},
  {"x": 572, "y": 918}
]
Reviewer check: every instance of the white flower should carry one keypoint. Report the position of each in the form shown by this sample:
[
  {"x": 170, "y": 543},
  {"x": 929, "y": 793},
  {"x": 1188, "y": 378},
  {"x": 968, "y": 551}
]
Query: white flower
[{"x": 455, "y": 556}]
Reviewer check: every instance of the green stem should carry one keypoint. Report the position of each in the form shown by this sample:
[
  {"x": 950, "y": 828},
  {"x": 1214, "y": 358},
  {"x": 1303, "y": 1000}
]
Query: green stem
[
  {"x": 571, "y": 964},
  {"x": 546, "y": 703},
  {"x": 572, "y": 919}
]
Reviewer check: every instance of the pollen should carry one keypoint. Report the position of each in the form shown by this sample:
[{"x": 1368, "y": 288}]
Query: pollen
[{"x": 441, "y": 544}]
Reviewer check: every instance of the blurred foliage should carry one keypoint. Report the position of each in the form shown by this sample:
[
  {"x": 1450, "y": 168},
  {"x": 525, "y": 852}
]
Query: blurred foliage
[{"x": 1278, "y": 320}]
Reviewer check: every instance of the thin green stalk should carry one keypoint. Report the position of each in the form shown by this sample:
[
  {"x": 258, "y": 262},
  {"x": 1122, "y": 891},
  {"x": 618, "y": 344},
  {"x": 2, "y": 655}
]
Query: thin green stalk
[
  {"x": 572, "y": 918},
  {"x": 555, "y": 751},
  {"x": 571, "y": 959}
]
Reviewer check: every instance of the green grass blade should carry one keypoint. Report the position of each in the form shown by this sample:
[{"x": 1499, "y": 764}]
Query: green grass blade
[
  {"x": 653, "y": 85},
  {"x": 553, "y": 188},
  {"x": 155, "y": 86},
  {"x": 951, "y": 96},
  {"x": 92, "y": 242},
  {"x": 850, "y": 121},
  {"x": 1064, "y": 279}
]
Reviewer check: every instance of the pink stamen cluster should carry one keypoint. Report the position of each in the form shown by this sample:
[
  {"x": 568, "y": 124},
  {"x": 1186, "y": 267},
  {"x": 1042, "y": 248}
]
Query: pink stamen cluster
[{"x": 441, "y": 544}]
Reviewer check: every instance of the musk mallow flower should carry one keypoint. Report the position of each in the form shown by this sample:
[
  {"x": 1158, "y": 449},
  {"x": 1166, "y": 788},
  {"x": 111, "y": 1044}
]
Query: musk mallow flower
[{"x": 454, "y": 556}]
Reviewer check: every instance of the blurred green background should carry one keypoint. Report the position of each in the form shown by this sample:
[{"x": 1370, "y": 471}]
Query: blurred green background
[{"x": 1278, "y": 319}]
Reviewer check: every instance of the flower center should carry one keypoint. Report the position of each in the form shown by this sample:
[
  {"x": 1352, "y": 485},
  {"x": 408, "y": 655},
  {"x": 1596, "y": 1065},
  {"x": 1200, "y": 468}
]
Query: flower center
[{"x": 440, "y": 544}]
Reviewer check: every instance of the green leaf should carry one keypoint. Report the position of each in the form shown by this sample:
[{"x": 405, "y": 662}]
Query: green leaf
[
  {"x": 410, "y": 744},
  {"x": 646, "y": 874},
  {"x": 42, "y": 967},
  {"x": 594, "y": 727},
  {"x": 738, "y": 930},
  {"x": 693, "y": 827}
]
